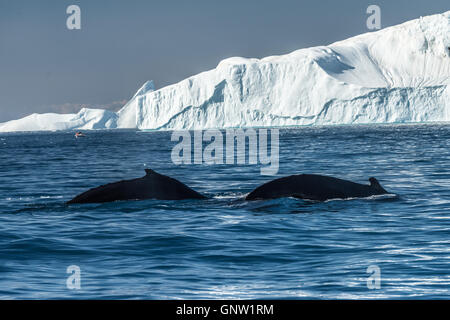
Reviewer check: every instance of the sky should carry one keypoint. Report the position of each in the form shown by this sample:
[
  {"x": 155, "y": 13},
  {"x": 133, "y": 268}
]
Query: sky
[{"x": 45, "y": 67}]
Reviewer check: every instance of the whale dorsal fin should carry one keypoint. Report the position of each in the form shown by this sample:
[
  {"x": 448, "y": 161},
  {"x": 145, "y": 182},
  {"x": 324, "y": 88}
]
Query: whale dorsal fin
[
  {"x": 376, "y": 185},
  {"x": 149, "y": 172}
]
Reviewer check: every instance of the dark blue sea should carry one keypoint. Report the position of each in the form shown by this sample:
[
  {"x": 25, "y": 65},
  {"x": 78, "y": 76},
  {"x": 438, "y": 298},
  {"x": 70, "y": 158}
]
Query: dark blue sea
[{"x": 226, "y": 247}]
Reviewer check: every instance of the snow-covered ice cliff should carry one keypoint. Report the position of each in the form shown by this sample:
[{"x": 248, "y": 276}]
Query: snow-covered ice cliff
[{"x": 397, "y": 74}]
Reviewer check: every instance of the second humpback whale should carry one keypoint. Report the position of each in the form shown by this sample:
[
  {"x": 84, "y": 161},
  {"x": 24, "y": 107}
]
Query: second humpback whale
[
  {"x": 315, "y": 187},
  {"x": 152, "y": 186}
]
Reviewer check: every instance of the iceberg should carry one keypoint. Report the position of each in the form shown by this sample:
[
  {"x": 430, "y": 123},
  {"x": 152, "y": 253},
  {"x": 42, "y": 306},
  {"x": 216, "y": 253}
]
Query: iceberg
[
  {"x": 84, "y": 119},
  {"x": 395, "y": 75}
]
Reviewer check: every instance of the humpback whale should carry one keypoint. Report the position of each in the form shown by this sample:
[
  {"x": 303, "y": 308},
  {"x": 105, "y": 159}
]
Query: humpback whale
[
  {"x": 152, "y": 186},
  {"x": 315, "y": 187}
]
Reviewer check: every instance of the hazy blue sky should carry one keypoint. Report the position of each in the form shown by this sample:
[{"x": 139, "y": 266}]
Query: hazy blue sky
[{"x": 46, "y": 67}]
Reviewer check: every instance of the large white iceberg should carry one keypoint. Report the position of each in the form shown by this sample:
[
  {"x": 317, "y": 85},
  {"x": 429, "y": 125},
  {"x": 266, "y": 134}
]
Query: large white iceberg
[
  {"x": 85, "y": 119},
  {"x": 397, "y": 74}
]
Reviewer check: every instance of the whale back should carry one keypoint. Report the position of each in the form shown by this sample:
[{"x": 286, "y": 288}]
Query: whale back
[
  {"x": 152, "y": 186},
  {"x": 314, "y": 187},
  {"x": 167, "y": 188}
]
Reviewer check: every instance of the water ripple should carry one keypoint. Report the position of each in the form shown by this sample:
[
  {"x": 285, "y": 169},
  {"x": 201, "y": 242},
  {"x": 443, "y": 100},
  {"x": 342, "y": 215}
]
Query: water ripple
[{"x": 226, "y": 247}]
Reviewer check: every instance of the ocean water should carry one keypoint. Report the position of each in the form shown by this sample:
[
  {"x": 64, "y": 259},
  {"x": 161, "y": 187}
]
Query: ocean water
[{"x": 225, "y": 247}]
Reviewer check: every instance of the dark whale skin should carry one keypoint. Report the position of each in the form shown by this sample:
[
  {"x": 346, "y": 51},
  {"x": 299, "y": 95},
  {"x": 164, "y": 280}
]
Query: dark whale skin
[
  {"x": 152, "y": 186},
  {"x": 315, "y": 187}
]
